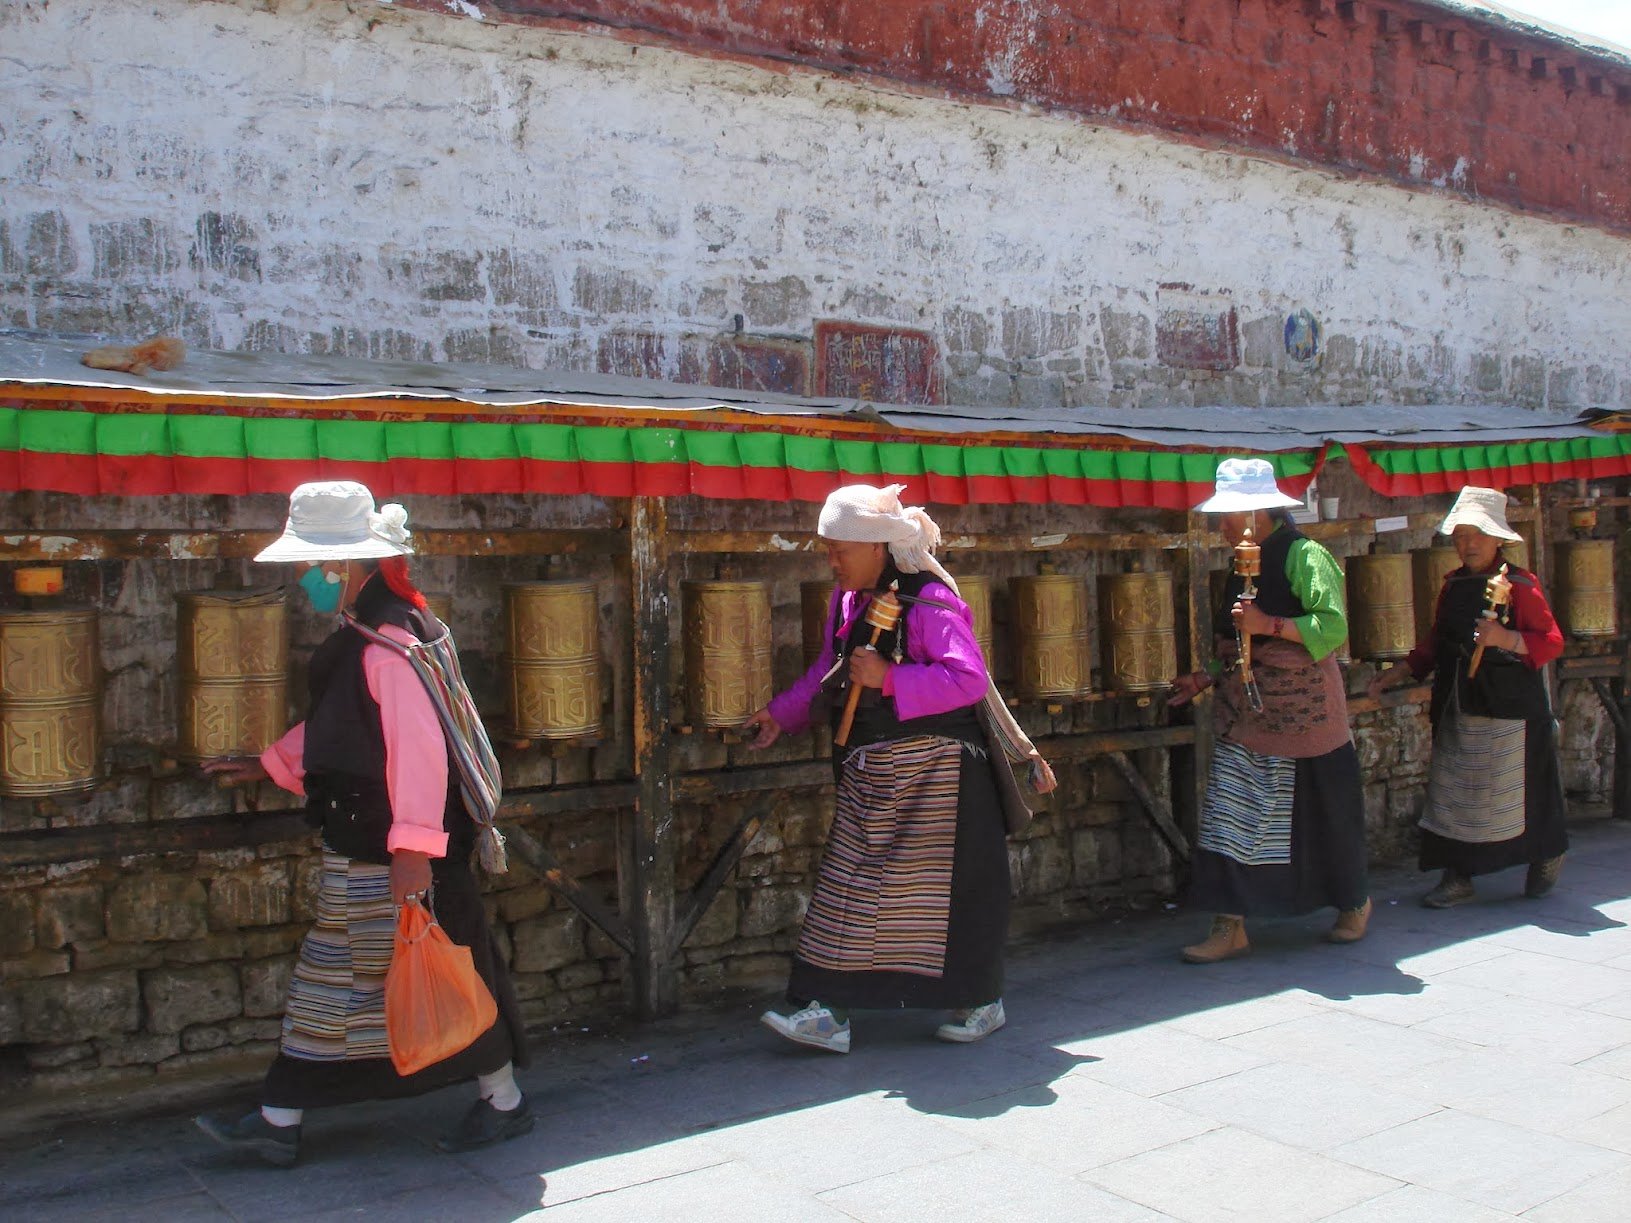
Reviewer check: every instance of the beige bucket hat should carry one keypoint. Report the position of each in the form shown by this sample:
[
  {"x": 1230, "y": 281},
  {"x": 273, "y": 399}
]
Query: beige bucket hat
[
  {"x": 1484, "y": 508},
  {"x": 335, "y": 520}
]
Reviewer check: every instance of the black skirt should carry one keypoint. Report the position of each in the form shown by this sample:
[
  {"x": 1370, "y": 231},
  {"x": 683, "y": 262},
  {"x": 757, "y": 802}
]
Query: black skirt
[
  {"x": 293, "y": 1082},
  {"x": 1328, "y": 858}
]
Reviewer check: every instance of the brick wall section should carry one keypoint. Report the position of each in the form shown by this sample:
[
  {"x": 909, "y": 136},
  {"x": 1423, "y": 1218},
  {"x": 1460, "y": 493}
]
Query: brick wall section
[{"x": 1410, "y": 91}]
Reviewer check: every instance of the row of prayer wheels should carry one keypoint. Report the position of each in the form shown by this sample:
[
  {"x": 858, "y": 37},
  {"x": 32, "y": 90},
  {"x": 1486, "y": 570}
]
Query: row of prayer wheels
[{"x": 232, "y": 652}]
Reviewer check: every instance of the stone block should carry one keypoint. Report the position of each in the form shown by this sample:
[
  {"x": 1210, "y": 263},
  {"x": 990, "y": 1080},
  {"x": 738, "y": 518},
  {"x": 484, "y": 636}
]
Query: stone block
[
  {"x": 209, "y": 950},
  {"x": 1528, "y": 382},
  {"x": 1563, "y": 386},
  {"x": 11, "y": 1017},
  {"x": 1341, "y": 356},
  {"x": 59, "y": 1057},
  {"x": 90, "y": 956},
  {"x": 518, "y": 904},
  {"x": 784, "y": 303},
  {"x": 204, "y": 1036},
  {"x": 524, "y": 281},
  {"x": 1096, "y": 856},
  {"x": 151, "y": 908},
  {"x": 240, "y": 1031},
  {"x": 450, "y": 276},
  {"x": 966, "y": 331},
  {"x": 82, "y": 1006},
  {"x": 258, "y": 896},
  {"x": 308, "y": 879},
  {"x": 178, "y": 998},
  {"x": 48, "y": 248},
  {"x": 1264, "y": 342},
  {"x": 1487, "y": 372},
  {"x": 272, "y": 940},
  {"x": 34, "y": 964},
  {"x": 719, "y": 924},
  {"x": 265, "y": 984},
  {"x": 134, "y": 250},
  {"x": 548, "y": 942},
  {"x": 575, "y": 976},
  {"x": 610, "y": 292},
  {"x": 1126, "y": 335},
  {"x": 492, "y": 345},
  {"x": 766, "y": 910},
  {"x": 1044, "y": 867},
  {"x": 224, "y": 1064},
  {"x": 1031, "y": 332},
  {"x": 753, "y": 971},
  {"x": 16, "y": 923},
  {"x": 226, "y": 243},
  {"x": 1601, "y": 385},
  {"x": 144, "y": 1049}
]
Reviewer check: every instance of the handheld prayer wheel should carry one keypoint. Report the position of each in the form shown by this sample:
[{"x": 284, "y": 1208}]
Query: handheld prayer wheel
[
  {"x": 48, "y": 702},
  {"x": 1429, "y": 567},
  {"x": 552, "y": 655},
  {"x": 1050, "y": 627},
  {"x": 727, "y": 651},
  {"x": 1136, "y": 618},
  {"x": 1381, "y": 611},
  {"x": 232, "y": 656},
  {"x": 1584, "y": 581},
  {"x": 976, "y": 592},
  {"x": 814, "y": 599}
]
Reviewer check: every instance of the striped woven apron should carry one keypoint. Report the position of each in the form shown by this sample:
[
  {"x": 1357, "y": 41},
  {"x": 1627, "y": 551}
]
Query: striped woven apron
[{"x": 336, "y": 1005}]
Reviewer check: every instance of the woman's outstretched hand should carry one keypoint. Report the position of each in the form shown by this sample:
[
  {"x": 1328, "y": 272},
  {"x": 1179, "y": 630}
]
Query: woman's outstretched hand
[
  {"x": 763, "y": 727},
  {"x": 235, "y": 771}
]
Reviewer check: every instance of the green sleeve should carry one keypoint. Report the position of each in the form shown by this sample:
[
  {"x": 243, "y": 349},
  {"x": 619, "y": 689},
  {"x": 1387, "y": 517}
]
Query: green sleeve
[{"x": 1316, "y": 580}]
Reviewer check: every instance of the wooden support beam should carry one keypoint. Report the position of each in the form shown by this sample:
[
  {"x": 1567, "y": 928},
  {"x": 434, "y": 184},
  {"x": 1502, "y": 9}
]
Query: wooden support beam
[
  {"x": 800, "y": 543},
  {"x": 646, "y": 849},
  {"x": 1610, "y": 704},
  {"x": 538, "y": 855},
  {"x": 730, "y": 853},
  {"x": 51, "y": 547},
  {"x": 1157, "y": 810},
  {"x": 1622, "y": 741},
  {"x": 1199, "y": 571}
]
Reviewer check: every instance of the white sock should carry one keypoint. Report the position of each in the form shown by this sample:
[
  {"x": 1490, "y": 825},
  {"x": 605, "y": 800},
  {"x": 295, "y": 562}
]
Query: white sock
[
  {"x": 283, "y": 1118},
  {"x": 499, "y": 1088}
]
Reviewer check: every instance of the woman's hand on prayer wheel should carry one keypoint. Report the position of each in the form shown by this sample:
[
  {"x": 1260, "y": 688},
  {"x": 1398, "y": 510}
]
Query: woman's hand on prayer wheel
[
  {"x": 235, "y": 771},
  {"x": 1187, "y": 687},
  {"x": 868, "y": 668},
  {"x": 763, "y": 727}
]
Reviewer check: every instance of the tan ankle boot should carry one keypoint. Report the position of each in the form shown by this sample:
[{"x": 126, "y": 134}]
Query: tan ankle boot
[
  {"x": 1227, "y": 940},
  {"x": 1351, "y": 923}
]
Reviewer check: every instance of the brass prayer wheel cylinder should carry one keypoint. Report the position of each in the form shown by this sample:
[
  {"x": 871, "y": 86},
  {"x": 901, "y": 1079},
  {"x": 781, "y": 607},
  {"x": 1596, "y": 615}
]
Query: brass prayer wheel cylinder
[
  {"x": 814, "y": 599},
  {"x": 49, "y": 690},
  {"x": 1136, "y": 627},
  {"x": 1429, "y": 567},
  {"x": 232, "y": 656},
  {"x": 976, "y": 592},
  {"x": 1520, "y": 552},
  {"x": 1381, "y": 612},
  {"x": 726, "y": 628},
  {"x": 1052, "y": 656},
  {"x": 1584, "y": 583},
  {"x": 552, "y": 657}
]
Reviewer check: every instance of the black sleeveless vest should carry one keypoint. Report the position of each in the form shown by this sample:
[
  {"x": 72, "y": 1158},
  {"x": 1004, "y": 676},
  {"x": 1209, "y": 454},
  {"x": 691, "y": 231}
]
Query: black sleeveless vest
[
  {"x": 345, "y": 740},
  {"x": 1274, "y": 594},
  {"x": 1505, "y": 686}
]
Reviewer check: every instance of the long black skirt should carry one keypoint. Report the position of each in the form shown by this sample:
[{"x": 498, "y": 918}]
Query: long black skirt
[
  {"x": 976, "y": 928},
  {"x": 298, "y": 1082},
  {"x": 1545, "y": 833},
  {"x": 1328, "y": 860}
]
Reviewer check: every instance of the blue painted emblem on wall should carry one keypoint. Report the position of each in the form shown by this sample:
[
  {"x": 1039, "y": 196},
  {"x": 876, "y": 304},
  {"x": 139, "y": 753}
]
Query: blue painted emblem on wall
[{"x": 1304, "y": 336}]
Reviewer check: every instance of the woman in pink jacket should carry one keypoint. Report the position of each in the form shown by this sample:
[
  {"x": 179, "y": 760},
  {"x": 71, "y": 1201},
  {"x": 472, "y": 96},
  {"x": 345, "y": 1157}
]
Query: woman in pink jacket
[{"x": 372, "y": 762}]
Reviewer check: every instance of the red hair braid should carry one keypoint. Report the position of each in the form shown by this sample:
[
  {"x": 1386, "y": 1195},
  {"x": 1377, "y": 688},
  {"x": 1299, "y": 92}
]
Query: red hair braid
[{"x": 394, "y": 569}]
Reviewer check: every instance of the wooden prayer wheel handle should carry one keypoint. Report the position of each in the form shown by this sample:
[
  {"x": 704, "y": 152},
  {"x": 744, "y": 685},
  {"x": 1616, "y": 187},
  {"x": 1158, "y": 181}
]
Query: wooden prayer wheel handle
[
  {"x": 883, "y": 615},
  {"x": 1495, "y": 598}
]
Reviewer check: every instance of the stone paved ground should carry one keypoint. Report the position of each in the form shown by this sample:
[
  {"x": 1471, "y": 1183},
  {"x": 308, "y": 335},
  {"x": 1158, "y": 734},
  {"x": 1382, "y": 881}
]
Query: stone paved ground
[{"x": 1455, "y": 1067}]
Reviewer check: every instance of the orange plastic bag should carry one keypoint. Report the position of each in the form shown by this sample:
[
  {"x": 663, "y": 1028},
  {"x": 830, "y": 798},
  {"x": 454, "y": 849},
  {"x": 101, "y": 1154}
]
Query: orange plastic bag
[{"x": 435, "y": 1003}]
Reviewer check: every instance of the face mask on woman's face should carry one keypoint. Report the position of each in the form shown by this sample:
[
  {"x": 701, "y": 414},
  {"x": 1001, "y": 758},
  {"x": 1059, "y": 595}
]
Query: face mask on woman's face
[{"x": 323, "y": 589}]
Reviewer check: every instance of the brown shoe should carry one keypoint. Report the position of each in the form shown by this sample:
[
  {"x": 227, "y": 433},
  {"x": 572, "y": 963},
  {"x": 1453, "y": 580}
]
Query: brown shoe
[
  {"x": 1453, "y": 889},
  {"x": 1542, "y": 876},
  {"x": 1351, "y": 923},
  {"x": 1226, "y": 941}
]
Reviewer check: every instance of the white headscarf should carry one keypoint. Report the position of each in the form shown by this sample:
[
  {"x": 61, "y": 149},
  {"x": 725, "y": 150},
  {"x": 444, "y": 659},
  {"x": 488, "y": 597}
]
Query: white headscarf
[{"x": 862, "y": 513}]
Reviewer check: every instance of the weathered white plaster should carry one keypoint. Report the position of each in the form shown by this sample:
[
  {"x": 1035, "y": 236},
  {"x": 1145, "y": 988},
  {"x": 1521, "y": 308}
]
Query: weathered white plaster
[{"x": 380, "y": 161}]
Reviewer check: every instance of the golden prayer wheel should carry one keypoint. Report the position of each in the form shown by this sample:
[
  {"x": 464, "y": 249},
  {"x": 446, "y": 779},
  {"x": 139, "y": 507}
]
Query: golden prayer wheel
[
  {"x": 1584, "y": 581},
  {"x": 1136, "y": 618},
  {"x": 727, "y": 651},
  {"x": 1053, "y": 656},
  {"x": 232, "y": 655},
  {"x": 1520, "y": 552},
  {"x": 48, "y": 702},
  {"x": 976, "y": 592},
  {"x": 1429, "y": 567},
  {"x": 552, "y": 654},
  {"x": 1381, "y": 613},
  {"x": 814, "y": 599}
]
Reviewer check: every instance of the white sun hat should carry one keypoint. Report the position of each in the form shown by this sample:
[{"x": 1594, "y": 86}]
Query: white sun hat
[
  {"x": 1245, "y": 484},
  {"x": 335, "y": 520},
  {"x": 1484, "y": 508}
]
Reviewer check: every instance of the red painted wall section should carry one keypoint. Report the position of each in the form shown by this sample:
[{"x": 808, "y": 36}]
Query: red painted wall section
[{"x": 1405, "y": 90}]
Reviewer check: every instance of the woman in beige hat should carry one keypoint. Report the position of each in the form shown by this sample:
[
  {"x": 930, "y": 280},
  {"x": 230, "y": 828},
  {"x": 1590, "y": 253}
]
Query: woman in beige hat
[
  {"x": 1495, "y": 793},
  {"x": 1282, "y": 827},
  {"x": 381, "y": 777}
]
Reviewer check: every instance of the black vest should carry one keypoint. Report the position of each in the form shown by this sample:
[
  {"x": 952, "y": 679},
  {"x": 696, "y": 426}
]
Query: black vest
[
  {"x": 1274, "y": 594},
  {"x": 1505, "y": 686},
  {"x": 876, "y": 719},
  {"x": 345, "y": 740}
]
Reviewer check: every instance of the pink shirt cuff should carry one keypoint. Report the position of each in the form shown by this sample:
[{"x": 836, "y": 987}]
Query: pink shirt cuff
[{"x": 284, "y": 761}]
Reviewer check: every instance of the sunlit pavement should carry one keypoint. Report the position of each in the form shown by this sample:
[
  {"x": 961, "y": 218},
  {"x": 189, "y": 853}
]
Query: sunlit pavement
[{"x": 1473, "y": 1064}]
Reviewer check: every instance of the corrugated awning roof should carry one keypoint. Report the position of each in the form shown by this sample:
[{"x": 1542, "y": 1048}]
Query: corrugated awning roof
[{"x": 238, "y": 422}]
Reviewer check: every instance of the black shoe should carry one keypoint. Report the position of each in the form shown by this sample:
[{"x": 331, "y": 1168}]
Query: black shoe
[
  {"x": 276, "y": 1144},
  {"x": 482, "y": 1125},
  {"x": 1542, "y": 876}
]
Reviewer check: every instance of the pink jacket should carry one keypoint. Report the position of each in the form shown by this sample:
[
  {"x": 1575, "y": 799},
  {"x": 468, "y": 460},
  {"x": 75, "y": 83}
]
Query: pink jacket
[{"x": 415, "y": 750}]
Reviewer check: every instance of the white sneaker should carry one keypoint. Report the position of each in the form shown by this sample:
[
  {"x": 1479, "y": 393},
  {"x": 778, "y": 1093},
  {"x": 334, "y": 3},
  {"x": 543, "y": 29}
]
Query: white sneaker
[
  {"x": 974, "y": 1024},
  {"x": 815, "y": 1026}
]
